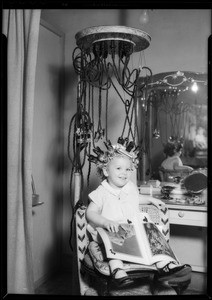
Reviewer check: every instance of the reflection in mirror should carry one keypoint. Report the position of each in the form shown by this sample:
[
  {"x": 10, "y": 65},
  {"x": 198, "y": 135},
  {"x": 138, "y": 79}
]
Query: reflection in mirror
[{"x": 174, "y": 104}]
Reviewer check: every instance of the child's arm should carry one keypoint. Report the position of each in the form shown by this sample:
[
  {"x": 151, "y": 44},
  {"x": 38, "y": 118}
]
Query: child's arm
[
  {"x": 182, "y": 168},
  {"x": 150, "y": 200},
  {"x": 156, "y": 202},
  {"x": 93, "y": 216},
  {"x": 178, "y": 166}
]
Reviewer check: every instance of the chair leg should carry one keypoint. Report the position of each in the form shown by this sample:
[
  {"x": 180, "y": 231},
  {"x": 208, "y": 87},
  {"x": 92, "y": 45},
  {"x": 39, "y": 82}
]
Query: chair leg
[
  {"x": 180, "y": 287},
  {"x": 103, "y": 288},
  {"x": 161, "y": 288}
]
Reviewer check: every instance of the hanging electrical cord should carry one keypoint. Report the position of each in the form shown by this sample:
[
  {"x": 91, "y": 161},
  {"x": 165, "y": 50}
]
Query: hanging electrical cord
[
  {"x": 80, "y": 125},
  {"x": 167, "y": 105},
  {"x": 146, "y": 99},
  {"x": 106, "y": 113}
]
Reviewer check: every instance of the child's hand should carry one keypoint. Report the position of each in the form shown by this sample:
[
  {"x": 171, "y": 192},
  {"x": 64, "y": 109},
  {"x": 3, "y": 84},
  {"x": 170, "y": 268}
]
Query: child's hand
[
  {"x": 157, "y": 202},
  {"x": 111, "y": 226}
]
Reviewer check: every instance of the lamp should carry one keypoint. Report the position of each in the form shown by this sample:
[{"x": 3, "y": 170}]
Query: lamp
[
  {"x": 179, "y": 81},
  {"x": 194, "y": 87},
  {"x": 144, "y": 17}
]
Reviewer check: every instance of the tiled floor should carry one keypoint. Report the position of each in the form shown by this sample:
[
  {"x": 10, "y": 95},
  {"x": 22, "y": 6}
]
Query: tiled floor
[{"x": 60, "y": 284}]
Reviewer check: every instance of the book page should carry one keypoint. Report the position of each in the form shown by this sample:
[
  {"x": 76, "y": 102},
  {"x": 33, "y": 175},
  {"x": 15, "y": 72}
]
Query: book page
[
  {"x": 137, "y": 242},
  {"x": 124, "y": 244},
  {"x": 159, "y": 247}
]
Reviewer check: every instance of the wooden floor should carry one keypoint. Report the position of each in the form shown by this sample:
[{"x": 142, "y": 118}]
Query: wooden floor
[{"x": 60, "y": 284}]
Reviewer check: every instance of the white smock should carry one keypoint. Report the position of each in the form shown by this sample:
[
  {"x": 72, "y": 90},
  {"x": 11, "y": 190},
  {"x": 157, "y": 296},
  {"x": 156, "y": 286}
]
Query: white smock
[
  {"x": 170, "y": 161},
  {"x": 114, "y": 204}
]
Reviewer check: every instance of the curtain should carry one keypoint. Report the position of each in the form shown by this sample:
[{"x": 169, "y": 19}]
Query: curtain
[{"x": 21, "y": 27}]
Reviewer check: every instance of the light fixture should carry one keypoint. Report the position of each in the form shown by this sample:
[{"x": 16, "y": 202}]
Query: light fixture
[
  {"x": 179, "y": 81},
  {"x": 194, "y": 87},
  {"x": 144, "y": 17}
]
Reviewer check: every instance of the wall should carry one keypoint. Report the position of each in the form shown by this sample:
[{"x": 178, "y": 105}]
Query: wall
[
  {"x": 179, "y": 38},
  {"x": 47, "y": 159}
]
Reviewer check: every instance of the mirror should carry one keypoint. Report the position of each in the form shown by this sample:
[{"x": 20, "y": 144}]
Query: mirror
[{"x": 174, "y": 104}]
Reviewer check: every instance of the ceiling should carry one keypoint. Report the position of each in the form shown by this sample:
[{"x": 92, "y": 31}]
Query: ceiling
[
  {"x": 57, "y": 17},
  {"x": 63, "y": 19}
]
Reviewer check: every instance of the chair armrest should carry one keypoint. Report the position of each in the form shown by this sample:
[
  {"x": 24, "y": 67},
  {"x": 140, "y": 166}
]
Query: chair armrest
[
  {"x": 81, "y": 232},
  {"x": 81, "y": 244}
]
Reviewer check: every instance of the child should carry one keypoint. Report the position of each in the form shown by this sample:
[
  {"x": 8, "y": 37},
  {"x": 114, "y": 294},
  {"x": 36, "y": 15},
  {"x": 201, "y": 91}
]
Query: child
[
  {"x": 116, "y": 200},
  {"x": 173, "y": 150},
  {"x": 172, "y": 167}
]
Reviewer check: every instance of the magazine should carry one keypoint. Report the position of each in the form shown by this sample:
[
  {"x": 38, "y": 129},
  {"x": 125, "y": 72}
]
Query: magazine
[{"x": 136, "y": 242}]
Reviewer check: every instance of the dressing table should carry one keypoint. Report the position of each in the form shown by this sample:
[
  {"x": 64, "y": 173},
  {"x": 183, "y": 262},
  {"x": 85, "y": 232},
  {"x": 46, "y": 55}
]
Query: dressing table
[
  {"x": 188, "y": 227},
  {"x": 187, "y": 214}
]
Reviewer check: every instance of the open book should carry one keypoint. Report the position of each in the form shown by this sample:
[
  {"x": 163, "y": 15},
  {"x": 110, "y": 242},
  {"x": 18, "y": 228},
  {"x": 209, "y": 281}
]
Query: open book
[{"x": 136, "y": 242}]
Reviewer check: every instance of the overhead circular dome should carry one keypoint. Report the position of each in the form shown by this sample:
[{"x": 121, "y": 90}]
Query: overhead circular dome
[{"x": 138, "y": 39}]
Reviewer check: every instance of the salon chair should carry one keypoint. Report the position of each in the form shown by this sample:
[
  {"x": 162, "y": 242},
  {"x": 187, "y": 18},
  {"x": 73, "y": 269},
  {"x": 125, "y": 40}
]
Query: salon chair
[{"x": 94, "y": 283}]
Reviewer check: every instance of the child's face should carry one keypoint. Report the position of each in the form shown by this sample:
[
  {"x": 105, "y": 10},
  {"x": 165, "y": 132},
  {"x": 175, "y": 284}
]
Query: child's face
[{"x": 118, "y": 171}]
